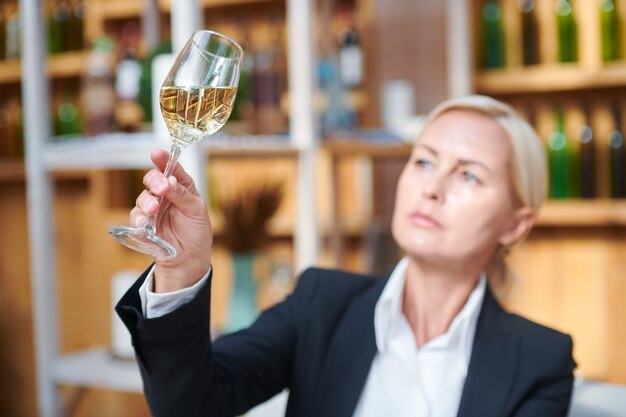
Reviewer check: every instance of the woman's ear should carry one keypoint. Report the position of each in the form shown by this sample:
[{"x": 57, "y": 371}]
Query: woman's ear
[{"x": 521, "y": 222}]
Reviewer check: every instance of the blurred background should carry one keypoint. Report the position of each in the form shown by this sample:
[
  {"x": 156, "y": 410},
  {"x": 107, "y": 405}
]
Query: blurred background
[{"x": 322, "y": 197}]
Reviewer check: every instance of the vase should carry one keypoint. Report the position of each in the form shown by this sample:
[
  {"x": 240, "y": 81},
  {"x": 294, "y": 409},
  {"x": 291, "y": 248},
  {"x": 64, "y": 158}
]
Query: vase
[{"x": 242, "y": 305}]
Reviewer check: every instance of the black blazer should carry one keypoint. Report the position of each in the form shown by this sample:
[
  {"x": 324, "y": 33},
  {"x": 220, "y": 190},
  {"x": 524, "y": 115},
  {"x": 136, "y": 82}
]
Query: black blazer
[{"x": 319, "y": 343}]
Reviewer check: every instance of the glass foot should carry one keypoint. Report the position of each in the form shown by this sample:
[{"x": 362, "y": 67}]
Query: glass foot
[{"x": 142, "y": 240}]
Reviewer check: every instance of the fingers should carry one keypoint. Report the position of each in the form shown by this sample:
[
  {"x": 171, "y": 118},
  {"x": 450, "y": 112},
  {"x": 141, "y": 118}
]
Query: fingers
[
  {"x": 186, "y": 201},
  {"x": 160, "y": 158},
  {"x": 145, "y": 205}
]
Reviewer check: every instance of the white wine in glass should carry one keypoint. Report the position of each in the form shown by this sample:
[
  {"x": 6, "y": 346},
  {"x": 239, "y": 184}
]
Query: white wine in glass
[{"x": 196, "y": 100}]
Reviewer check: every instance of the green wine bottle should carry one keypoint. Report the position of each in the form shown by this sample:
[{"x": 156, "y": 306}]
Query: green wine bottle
[
  {"x": 609, "y": 30},
  {"x": 587, "y": 156},
  {"x": 67, "y": 121},
  {"x": 567, "y": 31},
  {"x": 74, "y": 34},
  {"x": 492, "y": 32},
  {"x": 530, "y": 32},
  {"x": 58, "y": 28},
  {"x": 617, "y": 155},
  {"x": 559, "y": 159}
]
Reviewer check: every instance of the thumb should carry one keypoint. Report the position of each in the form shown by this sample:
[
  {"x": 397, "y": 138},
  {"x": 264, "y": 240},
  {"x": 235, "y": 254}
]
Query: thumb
[{"x": 189, "y": 203}]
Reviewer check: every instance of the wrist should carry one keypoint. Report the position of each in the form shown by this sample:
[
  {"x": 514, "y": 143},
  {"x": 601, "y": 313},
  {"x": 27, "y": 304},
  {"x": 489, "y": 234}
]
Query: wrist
[{"x": 169, "y": 279}]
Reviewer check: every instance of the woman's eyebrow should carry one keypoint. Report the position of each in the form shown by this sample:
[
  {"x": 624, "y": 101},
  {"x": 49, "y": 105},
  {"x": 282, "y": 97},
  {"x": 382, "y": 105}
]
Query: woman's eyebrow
[
  {"x": 461, "y": 161},
  {"x": 428, "y": 148},
  {"x": 473, "y": 162}
]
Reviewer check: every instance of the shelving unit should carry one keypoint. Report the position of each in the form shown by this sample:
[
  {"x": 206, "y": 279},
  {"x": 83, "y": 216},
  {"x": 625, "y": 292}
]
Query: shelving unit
[
  {"x": 44, "y": 158},
  {"x": 66, "y": 64},
  {"x": 571, "y": 266},
  {"x": 549, "y": 78}
]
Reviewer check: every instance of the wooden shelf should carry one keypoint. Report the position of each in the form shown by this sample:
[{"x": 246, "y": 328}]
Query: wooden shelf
[
  {"x": 11, "y": 170},
  {"x": 592, "y": 213},
  {"x": 66, "y": 64},
  {"x": 167, "y": 4},
  {"x": 549, "y": 78},
  {"x": 119, "y": 9},
  {"x": 364, "y": 147}
]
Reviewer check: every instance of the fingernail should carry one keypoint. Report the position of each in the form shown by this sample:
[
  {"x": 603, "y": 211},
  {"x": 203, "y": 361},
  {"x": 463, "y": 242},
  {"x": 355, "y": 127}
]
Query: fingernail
[
  {"x": 172, "y": 181},
  {"x": 158, "y": 184},
  {"x": 151, "y": 204}
]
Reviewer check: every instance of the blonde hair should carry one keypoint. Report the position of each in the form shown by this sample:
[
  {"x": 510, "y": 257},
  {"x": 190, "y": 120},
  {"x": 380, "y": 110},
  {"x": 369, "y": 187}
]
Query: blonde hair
[{"x": 528, "y": 168}]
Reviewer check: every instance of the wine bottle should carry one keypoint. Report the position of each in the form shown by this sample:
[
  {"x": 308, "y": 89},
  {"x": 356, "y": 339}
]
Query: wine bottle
[
  {"x": 3, "y": 36},
  {"x": 74, "y": 33},
  {"x": 98, "y": 92},
  {"x": 609, "y": 30},
  {"x": 128, "y": 112},
  {"x": 5, "y": 132},
  {"x": 559, "y": 159},
  {"x": 530, "y": 32},
  {"x": 350, "y": 58},
  {"x": 58, "y": 28},
  {"x": 67, "y": 120},
  {"x": 617, "y": 155},
  {"x": 267, "y": 80},
  {"x": 13, "y": 36},
  {"x": 492, "y": 33},
  {"x": 587, "y": 156},
  {"x": 567, "y": 31},
  {"x": 19, "y": 131}
]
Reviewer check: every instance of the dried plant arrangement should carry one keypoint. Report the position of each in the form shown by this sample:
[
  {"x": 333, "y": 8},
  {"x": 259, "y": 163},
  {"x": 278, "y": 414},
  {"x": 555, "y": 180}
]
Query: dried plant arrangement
[{"x": 246, "y": 214}]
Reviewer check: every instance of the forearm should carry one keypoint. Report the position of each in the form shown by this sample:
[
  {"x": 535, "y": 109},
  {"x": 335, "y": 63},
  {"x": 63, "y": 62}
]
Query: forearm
[{"x": 184, "y": 374}]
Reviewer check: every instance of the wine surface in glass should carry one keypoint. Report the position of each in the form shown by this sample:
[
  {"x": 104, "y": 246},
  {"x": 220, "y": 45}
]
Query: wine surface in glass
[{"x": 193, "y": 113}]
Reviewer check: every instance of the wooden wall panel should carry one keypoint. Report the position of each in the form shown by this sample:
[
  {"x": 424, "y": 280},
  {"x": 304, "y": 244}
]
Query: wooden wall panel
[
  {"x": 17, "y": 370},
  {"x": 566, "y": 279},
  {"x": 403, "y": 40}
]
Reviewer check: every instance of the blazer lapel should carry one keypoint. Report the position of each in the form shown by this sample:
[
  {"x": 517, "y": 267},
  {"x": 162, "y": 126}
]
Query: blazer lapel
[
  {"x": 493, "y": 364},
  {"x": 350, "y": 356}
]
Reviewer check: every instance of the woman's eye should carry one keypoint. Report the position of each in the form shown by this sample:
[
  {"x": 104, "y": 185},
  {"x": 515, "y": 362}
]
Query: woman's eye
[
  {"x": 469, "y": 176},
  {"x": 422, "y": 162}
]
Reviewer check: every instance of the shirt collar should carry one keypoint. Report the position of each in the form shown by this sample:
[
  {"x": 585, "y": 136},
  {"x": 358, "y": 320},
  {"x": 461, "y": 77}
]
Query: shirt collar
[{"x": 388, "y": 312}]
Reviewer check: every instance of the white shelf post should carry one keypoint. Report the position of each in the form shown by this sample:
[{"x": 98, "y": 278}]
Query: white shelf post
[
  {"x": 186, "y": 19},
  {"x": 458, "y": 48},
  {"x": 39, "y": 195},
  {"x": 302, "y": 126}
]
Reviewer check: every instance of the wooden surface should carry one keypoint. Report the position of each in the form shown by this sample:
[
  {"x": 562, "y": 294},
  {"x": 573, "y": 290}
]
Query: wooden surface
[{"x": 66, "y": 64}]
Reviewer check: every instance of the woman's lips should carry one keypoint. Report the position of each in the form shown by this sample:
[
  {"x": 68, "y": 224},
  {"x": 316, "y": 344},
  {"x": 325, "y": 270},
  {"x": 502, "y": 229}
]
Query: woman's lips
[{"x": 423, "y": 220}]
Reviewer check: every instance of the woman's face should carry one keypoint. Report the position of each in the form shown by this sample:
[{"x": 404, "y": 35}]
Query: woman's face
[{"x": 454, "y": 199}]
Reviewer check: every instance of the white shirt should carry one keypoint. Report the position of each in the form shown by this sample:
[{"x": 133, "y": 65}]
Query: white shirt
[
  {"x": 158, "y": 304},
  {"x": 403, "y": 380},
  {"x": 408, "y": 381}
]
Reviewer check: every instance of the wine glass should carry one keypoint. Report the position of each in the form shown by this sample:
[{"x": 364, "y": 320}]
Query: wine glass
[{"x": 196, "y": 99}]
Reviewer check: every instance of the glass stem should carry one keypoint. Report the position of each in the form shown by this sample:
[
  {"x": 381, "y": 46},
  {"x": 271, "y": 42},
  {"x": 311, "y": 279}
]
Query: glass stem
[{"x": 150, "y": 221}]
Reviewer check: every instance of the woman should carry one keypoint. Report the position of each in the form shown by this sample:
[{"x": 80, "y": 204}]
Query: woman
[{"x": 430, "y": 340}]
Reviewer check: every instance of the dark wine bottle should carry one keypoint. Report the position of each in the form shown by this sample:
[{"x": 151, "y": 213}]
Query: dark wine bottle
[
  {"x": 567, "y": 31},
  {"x": 5, "y": 132},
  {"x": 74, "y": 33},
  {"x": 559, "y": 159},
  {"x": 617, "y": 155},
  {"x": 530, "y": 32},
  {"x": 3, "y": 36},
  {"x": 492, "y": 32},
  {"x": 609, "y": 30},
  {"x": 587, "y": 156}
]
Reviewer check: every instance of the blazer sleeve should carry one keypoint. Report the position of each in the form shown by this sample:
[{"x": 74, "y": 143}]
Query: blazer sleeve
[
  {"x": 551, "y": 396},
  {"x": 185, "y": 374}
]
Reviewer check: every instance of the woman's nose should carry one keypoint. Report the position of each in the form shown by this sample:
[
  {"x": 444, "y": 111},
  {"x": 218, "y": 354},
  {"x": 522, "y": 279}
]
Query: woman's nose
[{"x": 434, "y": 187}]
